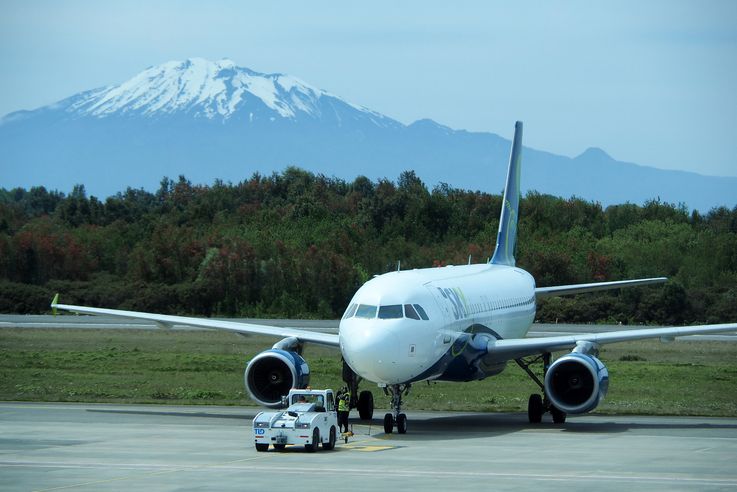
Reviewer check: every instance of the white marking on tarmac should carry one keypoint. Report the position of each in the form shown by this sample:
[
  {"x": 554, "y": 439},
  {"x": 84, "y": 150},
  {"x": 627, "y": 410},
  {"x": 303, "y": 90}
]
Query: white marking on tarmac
[{"x": 449, "y": 474}]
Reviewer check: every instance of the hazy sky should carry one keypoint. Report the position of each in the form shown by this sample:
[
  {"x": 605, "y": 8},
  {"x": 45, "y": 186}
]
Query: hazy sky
[{"x": 651, "y": 82}]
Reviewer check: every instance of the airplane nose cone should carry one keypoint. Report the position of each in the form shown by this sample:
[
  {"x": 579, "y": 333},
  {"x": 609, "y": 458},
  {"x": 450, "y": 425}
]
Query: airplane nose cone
[{"x": 372, "y": 351}]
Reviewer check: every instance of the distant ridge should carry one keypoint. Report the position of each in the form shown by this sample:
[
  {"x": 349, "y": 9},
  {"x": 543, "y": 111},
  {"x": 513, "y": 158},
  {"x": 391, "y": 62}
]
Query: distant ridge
[{"x": 214, "y": 120}]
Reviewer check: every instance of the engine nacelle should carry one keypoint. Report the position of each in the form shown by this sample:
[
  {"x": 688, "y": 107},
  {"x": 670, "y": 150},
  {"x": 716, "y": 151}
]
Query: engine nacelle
[
  {"x": 271, "y": 374},
  {"x": 575, "y": 383}
]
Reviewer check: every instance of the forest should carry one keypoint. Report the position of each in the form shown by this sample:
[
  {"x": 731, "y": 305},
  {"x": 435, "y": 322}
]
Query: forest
[{"x": 298, "y": 245}]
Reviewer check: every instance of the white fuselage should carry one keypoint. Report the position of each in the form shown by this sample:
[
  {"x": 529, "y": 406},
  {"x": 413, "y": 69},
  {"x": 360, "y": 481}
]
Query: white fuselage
[{"x": 460, "y": 309}]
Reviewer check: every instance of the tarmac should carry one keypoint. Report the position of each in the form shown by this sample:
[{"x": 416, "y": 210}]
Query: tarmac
[{"x": 98, "y": 447}]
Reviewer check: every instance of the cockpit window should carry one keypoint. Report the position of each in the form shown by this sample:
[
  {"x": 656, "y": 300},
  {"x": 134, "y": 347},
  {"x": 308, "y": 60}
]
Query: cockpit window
[
  {"x": 410, "y": 312},
  {"x": 350, "y": 311},
  {"x": 421, "y": 312},
  {"x": 366, "y": 311},
  {"x": 393, "y": 311}
]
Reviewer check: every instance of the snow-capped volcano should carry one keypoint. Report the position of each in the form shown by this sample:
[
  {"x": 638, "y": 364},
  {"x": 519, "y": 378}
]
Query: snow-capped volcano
[
  {"x": 206, "y": 89},
  {"x": 214, "y": 120}
]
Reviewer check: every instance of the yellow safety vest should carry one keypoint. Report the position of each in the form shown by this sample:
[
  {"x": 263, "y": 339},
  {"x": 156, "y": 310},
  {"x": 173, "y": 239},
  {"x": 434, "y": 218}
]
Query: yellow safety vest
[{"x": 343, "y": 402}]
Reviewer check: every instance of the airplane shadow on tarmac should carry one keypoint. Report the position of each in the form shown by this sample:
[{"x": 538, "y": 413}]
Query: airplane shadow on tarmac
[
  {"x": 425, "y": 426},
  {"x": 469, "y": 426}
]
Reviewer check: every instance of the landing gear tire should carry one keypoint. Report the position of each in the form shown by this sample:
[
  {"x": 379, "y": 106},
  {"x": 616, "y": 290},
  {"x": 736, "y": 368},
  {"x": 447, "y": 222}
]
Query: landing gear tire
[
  {"x": 262, "y": 447},
  {"x": 388, "y": 423},
  {"x": 402, "y": 423},
  {"x": 366, "y": 405},
  {"x": 315, "y": 441},
  {"x": 559, "y": 416},
  {"x": 331, "y": 442},
  {"x": 280, "y": 447},
  {"x": 535, "y": 409}
]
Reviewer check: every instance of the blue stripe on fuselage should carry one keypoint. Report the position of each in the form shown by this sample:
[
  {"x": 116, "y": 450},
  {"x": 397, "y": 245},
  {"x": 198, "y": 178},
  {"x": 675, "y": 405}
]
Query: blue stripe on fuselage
[{"x": 464, "y": 359}]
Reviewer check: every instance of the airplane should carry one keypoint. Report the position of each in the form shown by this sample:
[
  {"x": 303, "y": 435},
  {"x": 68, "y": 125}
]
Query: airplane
[{"x": 453, "y": 323}]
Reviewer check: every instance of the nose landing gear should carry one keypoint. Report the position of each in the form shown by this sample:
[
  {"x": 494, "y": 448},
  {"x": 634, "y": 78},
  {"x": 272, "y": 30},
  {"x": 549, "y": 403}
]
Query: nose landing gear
[
  {"x": 397, "y": 418},
  {"x": 363, "y": 401}
]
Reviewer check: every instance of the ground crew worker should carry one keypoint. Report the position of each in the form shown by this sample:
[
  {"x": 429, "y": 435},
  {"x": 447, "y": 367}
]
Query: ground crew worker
[{"x": 344, "y": 407}]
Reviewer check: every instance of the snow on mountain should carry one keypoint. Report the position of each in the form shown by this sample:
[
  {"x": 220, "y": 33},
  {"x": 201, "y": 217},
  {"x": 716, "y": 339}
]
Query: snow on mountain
[{"x": 207, "y": 89}]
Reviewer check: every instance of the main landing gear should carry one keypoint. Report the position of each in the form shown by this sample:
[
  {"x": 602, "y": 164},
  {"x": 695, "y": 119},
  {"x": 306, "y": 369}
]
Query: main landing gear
[
  {"x": 537, "y": 405},
  {"x": 396, "y": 417}
]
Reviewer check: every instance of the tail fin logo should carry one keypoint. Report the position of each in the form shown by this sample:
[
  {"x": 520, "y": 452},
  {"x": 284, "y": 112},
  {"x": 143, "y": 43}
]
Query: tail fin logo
[{"x": 511, "y": 235}]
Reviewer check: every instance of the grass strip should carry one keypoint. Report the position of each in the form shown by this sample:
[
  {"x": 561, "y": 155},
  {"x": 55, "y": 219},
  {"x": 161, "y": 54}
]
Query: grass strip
[{"x": 206, "y": 367}]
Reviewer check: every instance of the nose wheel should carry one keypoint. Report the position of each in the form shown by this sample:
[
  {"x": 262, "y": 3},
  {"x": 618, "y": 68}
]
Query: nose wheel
[
  {"x": 363, "y": 401},
  {"x": 396, "y": 418}
]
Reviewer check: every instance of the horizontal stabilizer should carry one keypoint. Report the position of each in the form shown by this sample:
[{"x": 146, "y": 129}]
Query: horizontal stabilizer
[{"x": 562, "y": 290}]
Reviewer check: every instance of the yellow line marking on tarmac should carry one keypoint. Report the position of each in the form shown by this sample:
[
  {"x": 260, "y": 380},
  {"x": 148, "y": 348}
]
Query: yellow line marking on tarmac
[
  {"x": 362, "y": 441},
  {"x": 368, "y": 448},
  {"x": 382, "y": 437}
]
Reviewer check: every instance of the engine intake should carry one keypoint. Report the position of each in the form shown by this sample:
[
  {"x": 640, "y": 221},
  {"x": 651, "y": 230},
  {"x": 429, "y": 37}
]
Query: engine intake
[
  {"x": 272, "y": 373},
  {"x": 576, "y": 383}
]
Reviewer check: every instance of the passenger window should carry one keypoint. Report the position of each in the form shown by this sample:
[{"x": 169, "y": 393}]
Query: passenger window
[
  {"x": 421, "y": 312},
  {"x": 366, "y": 311},
  {"x": 410, "y": 312},
  {"x": 350, "y": 311},
  {"x": 393, "y": 311}
]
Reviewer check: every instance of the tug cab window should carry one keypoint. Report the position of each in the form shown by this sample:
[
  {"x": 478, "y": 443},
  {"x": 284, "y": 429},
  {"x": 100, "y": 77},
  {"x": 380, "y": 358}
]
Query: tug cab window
[{"x": 317, "y": 399}]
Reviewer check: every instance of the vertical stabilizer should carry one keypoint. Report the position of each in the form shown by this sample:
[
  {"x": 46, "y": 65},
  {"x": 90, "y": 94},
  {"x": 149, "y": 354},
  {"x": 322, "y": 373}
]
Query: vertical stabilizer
[{"x": 507, "y": 236}]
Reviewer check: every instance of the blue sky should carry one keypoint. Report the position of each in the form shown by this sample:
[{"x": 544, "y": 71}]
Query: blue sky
[{"x": 651, "y": 82}]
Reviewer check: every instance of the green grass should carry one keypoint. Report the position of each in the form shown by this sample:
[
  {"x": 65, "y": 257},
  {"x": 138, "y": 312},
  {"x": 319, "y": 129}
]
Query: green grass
[{"x": 202, "y": 367}]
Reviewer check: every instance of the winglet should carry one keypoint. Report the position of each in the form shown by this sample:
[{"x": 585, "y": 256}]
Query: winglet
[
  {"x": 507, "y": 236},
  {"x": 54, "y": 302}
]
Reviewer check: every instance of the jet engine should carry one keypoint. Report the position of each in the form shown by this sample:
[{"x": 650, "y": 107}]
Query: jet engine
[
  {"x": 271, "y": 374},
  {"x": 575, "y": 383}
]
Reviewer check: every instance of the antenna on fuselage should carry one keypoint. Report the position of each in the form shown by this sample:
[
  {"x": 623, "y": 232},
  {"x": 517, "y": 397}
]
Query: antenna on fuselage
[
  {"x": 399, "y": 265},
  {"x": 469, "y": 259}
]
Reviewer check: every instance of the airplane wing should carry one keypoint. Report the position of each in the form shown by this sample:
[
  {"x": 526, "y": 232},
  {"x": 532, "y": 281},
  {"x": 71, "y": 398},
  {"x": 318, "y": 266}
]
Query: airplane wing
[
  {"x": 509, "y": 349},
  {"x": 327, "y": 339},
  {"x": 560, "y": 290}
]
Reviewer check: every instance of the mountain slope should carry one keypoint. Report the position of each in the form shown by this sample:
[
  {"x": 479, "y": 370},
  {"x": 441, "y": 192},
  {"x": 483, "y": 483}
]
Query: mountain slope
[{"x": 211, "y": 120}]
